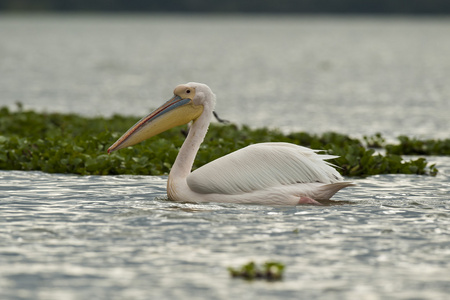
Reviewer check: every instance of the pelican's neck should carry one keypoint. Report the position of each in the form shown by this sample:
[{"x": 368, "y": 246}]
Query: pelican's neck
[{"x": 185, "y": 159}]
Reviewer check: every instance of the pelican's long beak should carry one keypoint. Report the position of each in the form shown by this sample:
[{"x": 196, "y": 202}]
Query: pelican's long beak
[{"x": 177, "y": 111}]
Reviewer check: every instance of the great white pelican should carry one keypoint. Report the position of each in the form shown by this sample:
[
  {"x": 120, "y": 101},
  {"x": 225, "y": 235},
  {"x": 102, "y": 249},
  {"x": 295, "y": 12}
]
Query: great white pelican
[{"x": 266, "y": 173}]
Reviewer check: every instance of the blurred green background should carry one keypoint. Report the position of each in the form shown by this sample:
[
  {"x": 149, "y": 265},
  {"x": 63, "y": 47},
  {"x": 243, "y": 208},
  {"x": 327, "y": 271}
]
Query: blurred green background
[{"x": 235, "y": 6}]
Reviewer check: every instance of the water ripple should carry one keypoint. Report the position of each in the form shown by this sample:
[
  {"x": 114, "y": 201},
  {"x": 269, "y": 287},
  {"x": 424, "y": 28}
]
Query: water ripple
[{"x": 118, "y": 236}]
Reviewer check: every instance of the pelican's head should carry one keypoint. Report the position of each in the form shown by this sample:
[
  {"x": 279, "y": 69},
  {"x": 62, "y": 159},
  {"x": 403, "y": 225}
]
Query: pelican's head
[{"x": 186, "y": 105}]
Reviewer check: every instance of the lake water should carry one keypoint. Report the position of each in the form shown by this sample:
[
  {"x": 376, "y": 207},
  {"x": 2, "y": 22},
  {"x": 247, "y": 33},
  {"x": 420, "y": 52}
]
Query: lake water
[
  {"x": 118, "y": 237},
  {"x": 351, "y": 75}
]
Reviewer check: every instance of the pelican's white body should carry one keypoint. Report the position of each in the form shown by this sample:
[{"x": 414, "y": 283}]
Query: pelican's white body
[{"x": 266, "y": 173}]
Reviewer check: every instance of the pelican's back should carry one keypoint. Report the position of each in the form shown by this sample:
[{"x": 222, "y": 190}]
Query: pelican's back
[{"x": 261, "y": 166}]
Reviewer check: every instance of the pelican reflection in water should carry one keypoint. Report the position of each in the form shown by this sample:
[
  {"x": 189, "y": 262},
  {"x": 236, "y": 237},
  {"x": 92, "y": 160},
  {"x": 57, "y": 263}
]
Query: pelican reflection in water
[{"x": 265, "y": 173}]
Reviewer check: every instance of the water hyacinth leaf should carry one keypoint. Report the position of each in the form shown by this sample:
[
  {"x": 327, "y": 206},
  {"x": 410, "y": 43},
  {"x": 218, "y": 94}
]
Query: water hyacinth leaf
[{"x": 270, "y": 271}]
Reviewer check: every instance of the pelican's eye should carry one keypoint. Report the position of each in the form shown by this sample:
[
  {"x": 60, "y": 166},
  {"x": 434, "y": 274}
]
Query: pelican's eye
[{"x": 184, "y": 91}]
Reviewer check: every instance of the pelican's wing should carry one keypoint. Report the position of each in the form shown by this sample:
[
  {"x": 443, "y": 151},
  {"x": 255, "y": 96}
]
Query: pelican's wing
[{"x": 260, "y": 166}]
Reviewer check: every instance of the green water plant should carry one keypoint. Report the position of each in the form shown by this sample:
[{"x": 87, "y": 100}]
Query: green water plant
[
  {"x": 270, "y": 271},
  {"x": 360, "y": 161},
  {"x": 413, "y": 146},
  {"x": 409, "y": 146},
  {"x": 374, "y": 141},
  {"x": 69, "y": 143}
]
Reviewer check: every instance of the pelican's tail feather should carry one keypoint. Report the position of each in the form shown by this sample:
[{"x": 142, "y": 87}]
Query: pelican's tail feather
[{"x": 326, "y": 191}]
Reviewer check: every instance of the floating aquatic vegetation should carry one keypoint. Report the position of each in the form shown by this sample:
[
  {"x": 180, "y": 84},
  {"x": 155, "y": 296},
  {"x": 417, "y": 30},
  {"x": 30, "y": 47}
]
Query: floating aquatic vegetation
[
  {"x": 409, "y": 146},
  {"x": 359, "y": 161},
  {"x": 413, "y": 146},
  {"x": 68, "y": 143},
  {"x": 375, "y": 141},
  {"x": 270, "y": 271}
]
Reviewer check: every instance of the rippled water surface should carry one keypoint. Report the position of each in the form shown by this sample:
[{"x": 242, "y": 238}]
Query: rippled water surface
[{"x": 118, "y": 237}]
